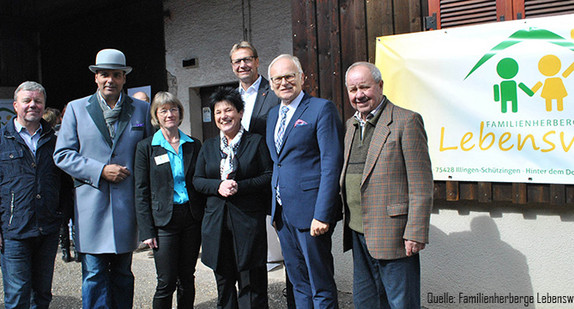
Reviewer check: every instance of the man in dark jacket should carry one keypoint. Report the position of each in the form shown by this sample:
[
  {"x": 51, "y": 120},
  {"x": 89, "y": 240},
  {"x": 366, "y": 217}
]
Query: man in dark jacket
[{"x": 30, "y": 213}]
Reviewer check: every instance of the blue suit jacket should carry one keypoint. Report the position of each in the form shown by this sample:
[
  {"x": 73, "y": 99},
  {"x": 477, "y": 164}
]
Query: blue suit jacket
[{"x": 309, "y": 162}]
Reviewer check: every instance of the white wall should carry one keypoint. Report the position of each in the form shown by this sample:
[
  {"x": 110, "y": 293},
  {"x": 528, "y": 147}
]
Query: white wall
[
  {"x": 207, "y": 30},
  {"x": 504, "y": 251}
]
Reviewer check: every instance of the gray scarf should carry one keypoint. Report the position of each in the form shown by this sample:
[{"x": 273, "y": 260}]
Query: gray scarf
[{"x": 111, "y": 115}]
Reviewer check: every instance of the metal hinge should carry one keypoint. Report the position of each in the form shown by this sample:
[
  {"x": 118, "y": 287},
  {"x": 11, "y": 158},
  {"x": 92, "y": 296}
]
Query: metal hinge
[{"x": 430, "y": 22}]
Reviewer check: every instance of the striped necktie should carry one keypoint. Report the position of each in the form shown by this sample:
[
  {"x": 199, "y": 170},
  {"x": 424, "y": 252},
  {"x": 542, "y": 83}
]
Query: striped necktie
[{"x": 282, "y": 125}]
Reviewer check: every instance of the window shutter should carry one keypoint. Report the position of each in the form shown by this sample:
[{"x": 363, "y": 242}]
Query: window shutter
[
  {"x": 453, "y": 13},
  {"x": 538, "y": 8}
]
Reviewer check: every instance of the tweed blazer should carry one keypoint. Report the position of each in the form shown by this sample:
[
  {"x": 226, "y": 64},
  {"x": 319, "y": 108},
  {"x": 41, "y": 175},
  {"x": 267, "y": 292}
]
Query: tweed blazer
[{"x": 397, "y": 184}]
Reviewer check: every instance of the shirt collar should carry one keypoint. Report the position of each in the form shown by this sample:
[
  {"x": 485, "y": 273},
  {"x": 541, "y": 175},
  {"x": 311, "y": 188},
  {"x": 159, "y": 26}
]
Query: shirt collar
[
  {"x": 106, "y": 103},
  {"x": 20, "y": 128},
  {"x": 252, "y": 88},
  {"x": 372, "y": 114},
  {"x": 159, "y": 140},
  {"x": 295, "y": 103}
]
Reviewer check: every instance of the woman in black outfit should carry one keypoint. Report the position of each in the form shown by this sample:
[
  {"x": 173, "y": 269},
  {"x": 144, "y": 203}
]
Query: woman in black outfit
[
  {"x": 234, "y": 170},
  {"x": 169, "y": 210}
]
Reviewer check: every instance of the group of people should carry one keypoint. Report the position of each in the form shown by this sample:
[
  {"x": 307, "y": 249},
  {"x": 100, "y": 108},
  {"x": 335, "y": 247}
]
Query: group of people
[{"x": 282, "y": 157}]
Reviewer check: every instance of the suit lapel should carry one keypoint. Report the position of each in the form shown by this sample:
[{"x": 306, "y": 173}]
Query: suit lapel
[
  {"x": 271, "y": 123},
  {"x": 95, "y": 112},
  {"x": 349, "y": 136},
  {"x": 260, "y": 99},
  {"x": 378, "y": 140},
  {"x": 298, "y": 112},
  {"x": 125, "y": 116},
  {"x": 187, "y": 149}
]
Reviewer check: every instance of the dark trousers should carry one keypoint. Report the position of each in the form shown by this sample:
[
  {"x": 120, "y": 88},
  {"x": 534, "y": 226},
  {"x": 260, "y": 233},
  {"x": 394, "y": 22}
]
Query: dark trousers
[
  {"x": 309, "y": 263},
  {"x": 176, "y": 258},
  {"x": 252, "y": 283},
  {"x": 27, "y": 270},
  {"x": 384, "y": 283}
]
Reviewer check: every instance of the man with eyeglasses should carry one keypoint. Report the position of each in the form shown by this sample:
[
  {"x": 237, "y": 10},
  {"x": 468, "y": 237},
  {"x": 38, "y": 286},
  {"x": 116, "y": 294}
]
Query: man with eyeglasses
[
  {"x": 304, "y": 137},
  {"x": 254, "y": 88},
  {"x": 258, "y": 99},
  {"x": 96, "y": 145}
]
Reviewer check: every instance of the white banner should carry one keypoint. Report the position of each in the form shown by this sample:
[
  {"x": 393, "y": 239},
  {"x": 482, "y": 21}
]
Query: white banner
[{"x": 497, "y": 99}]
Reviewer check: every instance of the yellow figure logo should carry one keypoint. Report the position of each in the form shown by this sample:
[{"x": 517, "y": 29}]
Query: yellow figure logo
[{"x": 553, "y": 89}]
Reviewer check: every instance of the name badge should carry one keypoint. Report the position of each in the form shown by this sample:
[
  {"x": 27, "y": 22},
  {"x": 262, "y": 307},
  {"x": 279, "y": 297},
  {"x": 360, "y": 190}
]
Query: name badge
[{"x": 161, "y": 159}]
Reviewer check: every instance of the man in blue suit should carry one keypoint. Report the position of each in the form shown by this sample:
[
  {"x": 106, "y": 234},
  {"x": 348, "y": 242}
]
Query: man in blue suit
[{"x": 304, "y": 136}]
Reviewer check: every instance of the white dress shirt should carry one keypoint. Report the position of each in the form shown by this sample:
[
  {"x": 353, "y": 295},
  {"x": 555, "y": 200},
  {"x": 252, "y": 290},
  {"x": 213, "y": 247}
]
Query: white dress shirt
[
  {"x": 292, "y": 107},
  {"x": 249, "y": 97}
]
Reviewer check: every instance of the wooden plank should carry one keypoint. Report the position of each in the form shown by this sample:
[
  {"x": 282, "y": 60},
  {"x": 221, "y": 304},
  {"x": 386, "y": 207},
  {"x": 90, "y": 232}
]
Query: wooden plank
[
  {"x": 569, "y": 194},
  {"x": 538, "y": 193},
  {"x": 518, "y": 11},
  {"x": 407, "y": 16},
  {"x": 452, "y": 192},
  {"x": 557, "y": 194},
  {"x": 484, "y": 192},
  {"x": 329, "y": 52},
  {"x": 504, "y": 10},
  {"x": 305, "y": 41},
  {"x": 519, "y": 195},
  {"x": 354, "y": 41},
  {"x": 401, "y": 16},
  {"x": 434, "y": 8},
  {"x": 415, "y": 16},
  {"x": 468, "y": 191},
  {"x": 439, "y": 190},
  {"x": 379, "y": 22},
  {"x": 502, "y": 192}
]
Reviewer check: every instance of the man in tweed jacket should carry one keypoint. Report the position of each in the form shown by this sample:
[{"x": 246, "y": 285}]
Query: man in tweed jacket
[{"x": 387, "y": 190}]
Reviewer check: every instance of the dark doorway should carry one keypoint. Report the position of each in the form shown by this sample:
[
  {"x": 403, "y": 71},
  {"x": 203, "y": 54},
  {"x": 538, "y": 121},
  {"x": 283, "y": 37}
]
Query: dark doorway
[{"x": 66, "y": 36}]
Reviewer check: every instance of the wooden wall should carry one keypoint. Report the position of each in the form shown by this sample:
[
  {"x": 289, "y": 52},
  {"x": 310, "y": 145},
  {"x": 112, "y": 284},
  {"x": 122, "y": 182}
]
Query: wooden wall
[{"x": 329, "y": 35}]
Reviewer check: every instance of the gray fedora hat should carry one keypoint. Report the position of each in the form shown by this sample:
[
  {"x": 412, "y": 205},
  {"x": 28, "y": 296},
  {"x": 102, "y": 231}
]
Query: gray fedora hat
[{"x": 110, "y": 59}]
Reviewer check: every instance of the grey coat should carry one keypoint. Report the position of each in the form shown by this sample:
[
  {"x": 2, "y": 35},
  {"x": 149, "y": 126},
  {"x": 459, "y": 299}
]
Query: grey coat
[{"x": 104, "y": 212}]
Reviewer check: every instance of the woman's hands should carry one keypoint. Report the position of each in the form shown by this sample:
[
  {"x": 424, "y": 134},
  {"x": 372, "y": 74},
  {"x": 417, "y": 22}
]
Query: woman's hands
[{"x": 227, "y": 188}]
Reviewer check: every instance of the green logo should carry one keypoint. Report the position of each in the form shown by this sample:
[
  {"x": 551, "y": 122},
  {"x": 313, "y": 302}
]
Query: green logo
[{"x": 553, "y": 88}]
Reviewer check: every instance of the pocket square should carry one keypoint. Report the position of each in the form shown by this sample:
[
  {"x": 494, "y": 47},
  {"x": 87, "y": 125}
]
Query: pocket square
[
  {"x": 300, "y": 122},
  {"x": 138, "y": 126}
]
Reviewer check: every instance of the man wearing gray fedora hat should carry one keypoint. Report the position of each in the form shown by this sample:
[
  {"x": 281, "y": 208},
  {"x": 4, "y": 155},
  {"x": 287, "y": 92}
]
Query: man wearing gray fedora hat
[{"x": 96, "y": 146}]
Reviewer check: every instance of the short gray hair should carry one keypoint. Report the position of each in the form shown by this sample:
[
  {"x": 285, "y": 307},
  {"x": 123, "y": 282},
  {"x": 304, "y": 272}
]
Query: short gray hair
[
  {"x": 288, "y": 56},
  {"x": 375, "y": 72},
  {"x": 29, "y": 86}
]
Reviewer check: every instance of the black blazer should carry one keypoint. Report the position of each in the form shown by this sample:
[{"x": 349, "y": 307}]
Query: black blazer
[
  {"x": 154, "y": 186},
  {"x": 246, "y": 208},
  {"x": 265, "y": 100}
]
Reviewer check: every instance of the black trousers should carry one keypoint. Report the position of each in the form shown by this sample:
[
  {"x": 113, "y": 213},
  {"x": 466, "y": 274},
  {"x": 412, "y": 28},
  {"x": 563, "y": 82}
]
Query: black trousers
[
  {"x": 252, "y": 283},
  {"x": 175, "y": 259}
]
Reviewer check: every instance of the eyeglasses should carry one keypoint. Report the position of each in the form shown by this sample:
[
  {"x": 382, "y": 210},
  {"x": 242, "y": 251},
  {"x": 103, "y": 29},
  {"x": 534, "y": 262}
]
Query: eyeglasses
[
  {"x": 173, "y": 110},
  {"x": 290, "y": 78},
  {"x": 247, "y": 60}
]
